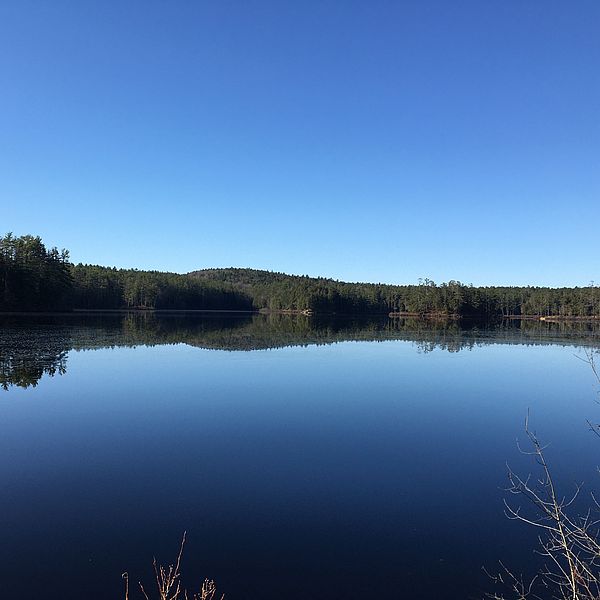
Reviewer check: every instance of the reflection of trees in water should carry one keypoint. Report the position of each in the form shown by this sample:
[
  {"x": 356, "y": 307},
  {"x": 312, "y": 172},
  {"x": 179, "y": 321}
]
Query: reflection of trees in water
[
  {"x": 31, "y": 346},
  {"x": 27, "y": 355},
  {"x": 26, "y": 371},
  {"x": 456, "y": 336}
]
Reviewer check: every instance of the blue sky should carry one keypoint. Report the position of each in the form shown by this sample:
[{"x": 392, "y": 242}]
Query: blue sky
[{"x": 373, "y": 141}]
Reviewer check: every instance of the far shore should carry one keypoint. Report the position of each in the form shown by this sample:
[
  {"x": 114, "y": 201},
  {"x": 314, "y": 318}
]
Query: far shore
[
  {"x": 121, "y": 311},
  {"x": 431, "y": 316},
  {"x": 552, "y": 318}
]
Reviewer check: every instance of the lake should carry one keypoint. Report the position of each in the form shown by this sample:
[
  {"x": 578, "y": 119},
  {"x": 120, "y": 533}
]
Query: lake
[{"x": 312, "y": 458}]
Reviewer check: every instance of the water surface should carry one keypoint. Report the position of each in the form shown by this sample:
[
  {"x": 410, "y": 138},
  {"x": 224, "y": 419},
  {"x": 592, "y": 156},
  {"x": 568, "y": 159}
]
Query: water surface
[{"x": 306, "y": 458}]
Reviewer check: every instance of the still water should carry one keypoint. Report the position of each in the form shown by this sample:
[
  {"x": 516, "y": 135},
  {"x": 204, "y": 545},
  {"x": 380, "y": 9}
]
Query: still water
[{"x": 305, "y": 458}]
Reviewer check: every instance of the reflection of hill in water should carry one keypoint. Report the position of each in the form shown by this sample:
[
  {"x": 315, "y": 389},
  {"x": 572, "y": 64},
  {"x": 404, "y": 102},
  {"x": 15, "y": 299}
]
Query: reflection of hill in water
[{"x": 31, "y": 346}]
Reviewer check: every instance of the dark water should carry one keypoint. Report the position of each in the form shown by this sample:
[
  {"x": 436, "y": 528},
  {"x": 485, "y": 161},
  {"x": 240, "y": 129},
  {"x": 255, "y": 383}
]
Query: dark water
[{"x": 305, "y": 458}]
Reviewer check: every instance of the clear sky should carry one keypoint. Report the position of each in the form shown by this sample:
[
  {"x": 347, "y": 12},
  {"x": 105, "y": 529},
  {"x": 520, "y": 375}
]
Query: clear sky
[{"x": 372, "y": 140}]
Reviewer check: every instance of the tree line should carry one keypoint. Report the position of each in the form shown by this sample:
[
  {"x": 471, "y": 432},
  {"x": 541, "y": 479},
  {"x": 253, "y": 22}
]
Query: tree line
[
  {"x": 278, "y": 291},
  {"x": 96, "y": 287},
  {"x": 33, "y": 277}
]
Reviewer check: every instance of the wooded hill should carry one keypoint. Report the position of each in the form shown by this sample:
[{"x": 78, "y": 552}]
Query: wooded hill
[
  {"x": 278, "y": 291},
  {"x": 33, "y": 277}
]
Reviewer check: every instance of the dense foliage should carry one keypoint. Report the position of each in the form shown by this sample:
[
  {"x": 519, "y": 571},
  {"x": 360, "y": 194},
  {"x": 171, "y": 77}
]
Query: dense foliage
[
  {"x": 34, "y": 278},
  {"x": 277, "y": 291},
  {"x": 105, "y": 288}
]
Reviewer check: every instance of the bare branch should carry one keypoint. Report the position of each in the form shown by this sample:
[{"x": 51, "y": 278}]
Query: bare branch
[{"x": 168, "y": 582}]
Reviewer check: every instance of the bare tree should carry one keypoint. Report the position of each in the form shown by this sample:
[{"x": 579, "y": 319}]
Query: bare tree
[{"x": 569, "y": 543}]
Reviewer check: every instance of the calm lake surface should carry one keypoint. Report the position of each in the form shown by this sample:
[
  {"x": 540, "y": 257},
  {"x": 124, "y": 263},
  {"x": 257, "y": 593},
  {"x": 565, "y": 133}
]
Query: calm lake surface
[{"x": 305, "y": 458}]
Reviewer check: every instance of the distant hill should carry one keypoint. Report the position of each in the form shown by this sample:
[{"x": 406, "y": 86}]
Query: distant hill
[
  {"x": 250, "y": 277},
  {"x": 279, "y": 291}
]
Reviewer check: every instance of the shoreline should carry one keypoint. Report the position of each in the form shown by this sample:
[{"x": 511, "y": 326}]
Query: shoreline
[
  {"x": 550, "y": 318},
  {"x": 432, "y": 316}
]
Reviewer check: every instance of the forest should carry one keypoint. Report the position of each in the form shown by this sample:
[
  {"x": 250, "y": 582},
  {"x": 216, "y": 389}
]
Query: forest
[{"x": 35, "y": 278}]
